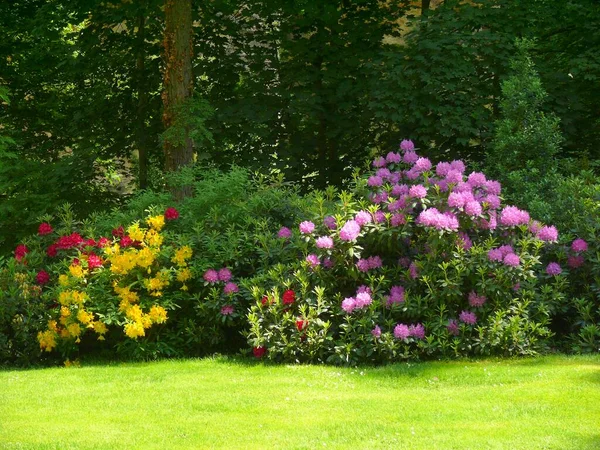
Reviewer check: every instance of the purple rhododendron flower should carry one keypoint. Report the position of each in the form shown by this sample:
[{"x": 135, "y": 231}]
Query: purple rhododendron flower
[
  {"x": 512, "y": 216},
  {"x": 407, "y": 145},
  {"x": 454, "y": 176},
  {"x": 476, "y": 300},
  {"x": 384, "y": 173},
  {"x": 473, "y": 208},
  {"x": 553, "y": 269},
  {"x": 401, "y": 331},
  {"x": 493, "y": 187},
  {"x": 211, "y": 276},
  {"x": 393, "y": 158},
  {"x": 579, "y": 245},
  {"x": 378, "y": 217},
  {"x": 575, "y": 261},
  {"x": 375, "y": 262},
  {"x": 224, "y": 274},
  {"x": 227, "y": 310},
  {"x": 363, "y": 265},
  {"x": 417, "y": 331},
  {"x": 396, "y": 295},
  {"x": 313, "y": 260},
  {"x": 410, "y": 157},
  {"x": 511, "y": 260},
  {"x": 417, "y": 191},
  {"x": 464, "y": 241},
  {"x": 364, "y": 288},
  {"x": 307, "y": 227},
  {"x": 375, "y": 181},
  {"x": 284, "y": 233},
  {"x": 452, "y": 327},
  {"x": 350, "y": 231},
  {"x": 328, "y": 263},
  {"x": 363, "y": 299},
  {"x": 363, "y": 218},
  {"x": 422, "y": 164},
  {"x": 399, "y": 189},
  {"x": 329, "y": 222},
  {"x": 324, "y": 242},
  {"x": 476, "y": 179},
  {"x": 398, "y": 219},
  {"x": 398, "y": 204},
  {"x": 458, "y": 165},
  {"x": 492, "y": 200},
  {"x": 468, "y": 317},
  {"x": 495, "y": 255},
  {"x": 348, "y": 304},
  {"x": 376, "y": 332},
  {"x": 414, "y": 272},
  {"x": 379, "y": 162},
  {"x": 442, "y": 169},
  {"x": 230, "y": 288},
  {"x": 548, "y": 234}
]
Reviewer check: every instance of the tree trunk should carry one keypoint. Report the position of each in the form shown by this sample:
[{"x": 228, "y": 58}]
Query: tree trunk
[
  {"x": 142, "y": 91},
  {"x": 178, "y": 85}
]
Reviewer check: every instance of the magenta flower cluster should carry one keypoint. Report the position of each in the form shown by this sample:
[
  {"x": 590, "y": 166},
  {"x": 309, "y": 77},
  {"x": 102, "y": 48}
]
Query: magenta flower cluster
[{"x": 403, "y": 331}]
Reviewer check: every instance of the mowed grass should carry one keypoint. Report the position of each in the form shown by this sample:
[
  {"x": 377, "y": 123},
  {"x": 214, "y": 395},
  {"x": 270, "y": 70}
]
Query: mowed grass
[{"x": 550, "y": 403}]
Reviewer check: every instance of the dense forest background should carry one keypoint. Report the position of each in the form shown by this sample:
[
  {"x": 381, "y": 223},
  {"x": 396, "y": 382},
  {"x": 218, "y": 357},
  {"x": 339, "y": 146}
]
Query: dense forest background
[{"x": 101, "y": 99}]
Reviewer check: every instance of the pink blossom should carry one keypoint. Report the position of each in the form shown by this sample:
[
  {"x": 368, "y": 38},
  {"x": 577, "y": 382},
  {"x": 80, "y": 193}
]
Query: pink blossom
[
  {"x": 398, "y": 219},
  {"x": 401, "y": 331},
  {"x": 492, "y": 200},
  {"x": 458, "y": 166},
  {"x": 384, "y": 173},
  {"x": 492, "y": 187},
  {"x": 350, "y": 231},
  {"x": 417, "y": 191},
  {"x": 513, "y": 216},
  {"x": 396, "y": 295},
  {"x": 375, "y": 181},
  {"x": 307, "y": 227},
  {"x": 452, "y": 327},
  {"x": 328, "y": 263},
  {"x": 227, "y": 310},
  {"x": 579, "y": 245},
  {"x": 379, "y": 162},
  {"x": 224, "y": 274},
  {"x": 575, "y": 261},
  {"x": 511, "y": 260},
  {"x": 284, "y": 233},
  {"x": 363, "y": 299},
  {"x": 413, "y": 271},
  {"x": 468, "y": 317},
  {"x": 348, "y": 304},
  {"x": 454, "y": 176},
  {"x": 393, "y": 158},
  {"x": 553, "y": 269},
  {"x": 313, "y": 260},
  {"x": 374, "y": 262},
  {"x": 442, "y": 169},
  {"x": 363, "y": 265},
  {"x": 329, "y": 222},
  {"x": 378, "y": 217},
  {"x": 376, "y": 332},
  {"x": 506, "y": 249},
  {"x": 363, "y": 288},
  {"x": 473, "y": 208},
  {"x": 464, "y": 241},
  {"x": 412, "y": 174},
  {"x": 324, "y": 242},
  {"x": 495, "y": 255},
  {"x": 476, "y": 300},
  {"x": 548, "y": 234},
  {"x": 211, "y": 276},
  {"x": 407, "y": 145},
  {"x": 417, "y": 331},
  {"x": 422, "y": 164},
  {"x": 399, "y": 189},
  {"x": 363, "y": 218},
  {"x": 410, "y": 157},
  {"x": 476, "y": 179},
  {"x": 230, "y": 288},
  {"x": 398, "y": 204}
]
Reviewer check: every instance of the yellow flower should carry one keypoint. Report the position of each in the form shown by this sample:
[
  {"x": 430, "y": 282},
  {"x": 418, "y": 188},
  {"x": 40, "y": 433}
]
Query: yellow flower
[
  {"x": 181, "y": 255},
  {"x": 184, "y": 274},
  {"x": 135, "y": 232},
  {"x": 85, "y": 317},
  {"x": 146, "y": 321},
  {"x": 134, "y": 313},
  {"x": 122, "y": 264},
  {"x": 47, "y": 340},
  {"x": 63, "y": 280},
  {"x": 158, "y": 314},
  {"x": 52, "y": 325},
  {"x": 126, "y": 294},
  {"x": 64, "y": 311},
  {"x": 100, "y": 328},
  {"x": 153, "y": 239},
  {"x": 134, "y": 330},
  {"x": 112, "y": 250},
  {"x": 76, "y": 271},
  {"x": 69, "y": 297},
  {"x": 74, "y": 329},
  {"x": 145, "y": 258},
  {"x": 156, "y": 222}
]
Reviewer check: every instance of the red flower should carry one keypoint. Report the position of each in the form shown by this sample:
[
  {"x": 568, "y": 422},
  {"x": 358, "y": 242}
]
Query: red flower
[
  {"x": 126, "y": 241},
  {"x": 118, "y": 232},
  {"x": 259, "y": 352},
  {"x": 67, "y": 242},
  {"x": 288, "y": 297},
  {"x": 264, "y": 301},
  {"x": 42, "y": 277},
  {"x": 102, "y": 242},
  {"x": 75, "y": 261},
  {"x": 89, "y": 243},
  {"x": 44, "y": 229},
  {"x": 171, "y": 214},
  {"x": 52, "y": 250},
  {"x": 20, "y": 252},
  {"x": 301, "y": 324},
  {"x": 94, "y": 261}
]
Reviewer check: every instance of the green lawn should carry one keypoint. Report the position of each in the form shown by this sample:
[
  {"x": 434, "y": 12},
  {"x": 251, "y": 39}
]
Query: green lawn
[{"x": 551, "y": 403}]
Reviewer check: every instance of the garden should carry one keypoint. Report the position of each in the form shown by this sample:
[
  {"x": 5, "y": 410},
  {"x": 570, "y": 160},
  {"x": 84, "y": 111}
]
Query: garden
[{"x": 299, "y": 225}]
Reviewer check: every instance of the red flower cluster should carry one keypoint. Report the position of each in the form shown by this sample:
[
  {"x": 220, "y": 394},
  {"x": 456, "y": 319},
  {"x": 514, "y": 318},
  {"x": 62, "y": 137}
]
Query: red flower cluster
[
  {"x": 301, "y": 324},
  {"x": 52, "y": 251},
  {"x": 70, "y": 241},
  {"x": 118, "y": 232},
  {"x": 171, "y": 214},
  {"x": 289, "y": 297},
  {"x": 20, "y": 252},
  {"x": 259, "y": 352},
  {"x": 42, "y": 277},
  {"x": 94, "y": 261},
  {"x": 44, "y": 229}
]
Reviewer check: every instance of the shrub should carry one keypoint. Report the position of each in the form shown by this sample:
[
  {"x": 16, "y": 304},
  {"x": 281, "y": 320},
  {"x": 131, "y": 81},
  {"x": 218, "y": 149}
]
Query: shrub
[{"x": 416, "y": 261}]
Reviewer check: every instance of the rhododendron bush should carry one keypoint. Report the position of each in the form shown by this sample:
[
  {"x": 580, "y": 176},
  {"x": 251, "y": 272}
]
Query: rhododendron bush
[{"x": 418, "y": 260}]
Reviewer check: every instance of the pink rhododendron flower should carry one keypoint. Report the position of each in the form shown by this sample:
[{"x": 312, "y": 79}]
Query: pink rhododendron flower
[
  {"x": 393, "y": 158},
  {"x": 306, "y": 227},
  {"x": 224, "y": 274},
  {"x": 379, "y": 162},
  {"x": 422, "y": 165},
  {"x": 376, "y": 332},
  {"x": 417, "y": 331},
  {"x": 495, "y": 255},
  {"x": 363, "y": 218},
  {"x": 227, "y": 310},
  {"x": 473, "y": 208},
  {"x": 378, "y": 217},
  {"x": 363, "y": 299},
  {"x": 363, "y": 265},
  {"x": 324, "y": 242},
  {"x": 476, "y": 179},
  {"x": 44, "y": 229},
  {"x": 511, "y": 260},
  {"x": 350, "y": 231},
  {"x": 442, "y": 169},
  {"x": 401, "y": 331},
  {"x": 548, "y": 234},
  {"x": 374, "y": 181},
  {"x": 579, "y": 245},
  {"x": 329, "y": 222},
  {"x": 410, "y": 157},
  {"x": 384, "y": 173},
  {"x": 348, "y": 304},
  {"x": 398, "y": 219},
  {"x": 407, "y": 145},
  {"x": 452, "y": 327},
  {"x": 284, "y": 233},
  {"x": 464, "y": 241},
  {"x": 399, "y": 189},
  {"x": 396, "y": 295},
  {"x": 476, "y": 300},
  {"x": 553, "y": 269},
  {"x": 313, "y": 260},
  {"x": 211, "y": 276},
  {"x": 493, "y": 187},
  {"x": 458, "y": 165},
  {"x": 468, "y": 317},
  {"x": 512, "y": 216},
  {"x": 454, "y": 176},
  {"x": 413, "y": 271},
  {"x": 418, "y": 191}
]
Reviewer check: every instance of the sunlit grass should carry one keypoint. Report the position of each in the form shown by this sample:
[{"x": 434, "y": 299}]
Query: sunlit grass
[{"x": 551, "y": 402}]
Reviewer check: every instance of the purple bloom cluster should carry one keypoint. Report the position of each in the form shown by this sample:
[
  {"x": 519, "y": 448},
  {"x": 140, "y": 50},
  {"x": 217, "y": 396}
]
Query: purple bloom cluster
[
  {"x": 468, "y": 317},
  {"x": 403, "y": 331},
  {"x": 350, "y": 231},
  {"x": 553, "y": 269},
  {"x": 512, "y": 216},
  {"x": 433, "y": 218},
  {"x": 476, "y": 300},
  {"x": 361, "y": 300},
  {"x": 307, "y": 227},
  {"x": 396, "y": 295},
  {"x": 324, "y": 242},
  {"x": 373, "y": 262}
]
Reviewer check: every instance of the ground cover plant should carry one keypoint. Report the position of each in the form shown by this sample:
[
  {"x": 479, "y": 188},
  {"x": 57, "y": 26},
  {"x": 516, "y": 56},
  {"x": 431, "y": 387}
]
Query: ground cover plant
[{"x": 542, "y": 403}]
